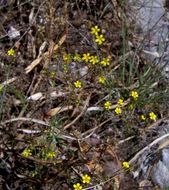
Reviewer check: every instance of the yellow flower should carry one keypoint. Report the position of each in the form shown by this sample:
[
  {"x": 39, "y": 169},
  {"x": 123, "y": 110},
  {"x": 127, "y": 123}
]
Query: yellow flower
[
  {"x": 134, "y": 94},
  {"x": 125, "y": 165},
  {"x": 118, "y": 111},
  {"x": 26, "y": 153},
  {"x": 65, "y": 68},
  {"x": 51, "y": 154},
  {"x": 95, "y": 30},
  {"x": 53, "y": 74},
  {"x": 105, "y": 62},
  {"x": 107, "y": 105},
  {"x": 94, "y": 59},
  {"x": 77, "y": 186},
  {"x": 77, "y": 57},
  {"x": 86, "y": 179},
  {"x": 67, "y": 58},
  {"x": 78, "y": 84},
  {"x": 120, "y": 102},
  {"x": 11, "y": 52},
  {"x": 99, "y": 39},
  {"x": 142, "y": 117},
  {"x": 86, "y": 57},
  {"x": 152, "y": 116},
  {"x": 102, "y": 80}
]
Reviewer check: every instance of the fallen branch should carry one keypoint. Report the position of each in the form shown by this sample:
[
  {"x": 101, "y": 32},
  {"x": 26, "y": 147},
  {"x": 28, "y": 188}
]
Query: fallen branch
[{"x": 134, "y": 159}]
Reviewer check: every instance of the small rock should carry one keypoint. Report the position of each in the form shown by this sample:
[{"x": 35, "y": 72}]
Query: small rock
[
  {"x": 160, "y": 175},
  {"x": 13, "y": 33}
]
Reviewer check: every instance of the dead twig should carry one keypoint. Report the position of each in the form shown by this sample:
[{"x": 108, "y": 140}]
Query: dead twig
[
  {"x": 26, "y": 119},
  {"x": 44, "y": 55},
  {"x": 134, "y": 159},
  {"x": 83, "y": 111},
  {"x": 40, "y": 122}
]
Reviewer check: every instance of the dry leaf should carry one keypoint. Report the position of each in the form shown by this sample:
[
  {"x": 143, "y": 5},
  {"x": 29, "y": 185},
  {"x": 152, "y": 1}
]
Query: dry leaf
[
  {"x": 33, "y": 64},
  {"x": 94, "y": 167},
  {"x": 57, "y": 110},
  {"x": 35, "y": 97}
]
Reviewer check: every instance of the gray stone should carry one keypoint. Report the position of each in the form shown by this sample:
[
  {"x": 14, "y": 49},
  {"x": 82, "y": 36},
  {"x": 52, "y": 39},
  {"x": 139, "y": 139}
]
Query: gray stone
[
  {"x": 153, "y": 19},
  {"x": 160, "y": 174}
]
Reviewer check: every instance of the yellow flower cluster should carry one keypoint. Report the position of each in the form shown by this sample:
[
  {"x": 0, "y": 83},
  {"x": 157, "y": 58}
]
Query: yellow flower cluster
[
  {"x": 51, "y": 154},
  {"x": 99, "y": 39},
  {"x": 77, "y": 57},
  {"x": 102, "y": 80},
  {"x": 85, "y": 179},
  {"x": 125, "y": 165},
  {"x": 152, "y": 116},
  {"x": 26, "y": 153},
  {"x": 90, "y": 58},
  {"x": 53, "y": 74},
  {"x": 67, "y": 58}
]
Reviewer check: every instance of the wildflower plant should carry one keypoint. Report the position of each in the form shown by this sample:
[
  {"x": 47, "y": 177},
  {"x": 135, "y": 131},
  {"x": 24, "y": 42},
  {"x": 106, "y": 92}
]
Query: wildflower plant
[
  {"x": 134, "y": 94},
  {"x": 94, "y": 59},
  {"x": 27, "y": 152},
  {"x": 99, "y": 39},
  {"x": 77, "y": 57},
  {"x": 152, "y": 116},
  {"x": 67, "y": 58},
  {"x": 78, "y": 84},
  {"x": 77, "y": 186},
  {"x": 142, "y": 117},
  {"x": 118, "y": 111},
  {"x": 95, "y": 30},
  {"x": 11, "y": 52},
  {"x": 119, "y": 79},
  {"x": 102, "y": 80},
  {"x": 86, "y": 57},
  {"x": 86, "y": 179},
  {"x": 107, "y": 105},
  {"x": 125, "y": 165},
  {"x": 120, "y": 102},
  {"x": 105, "y": 62},
  {"x": 50, "y": 154}
]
